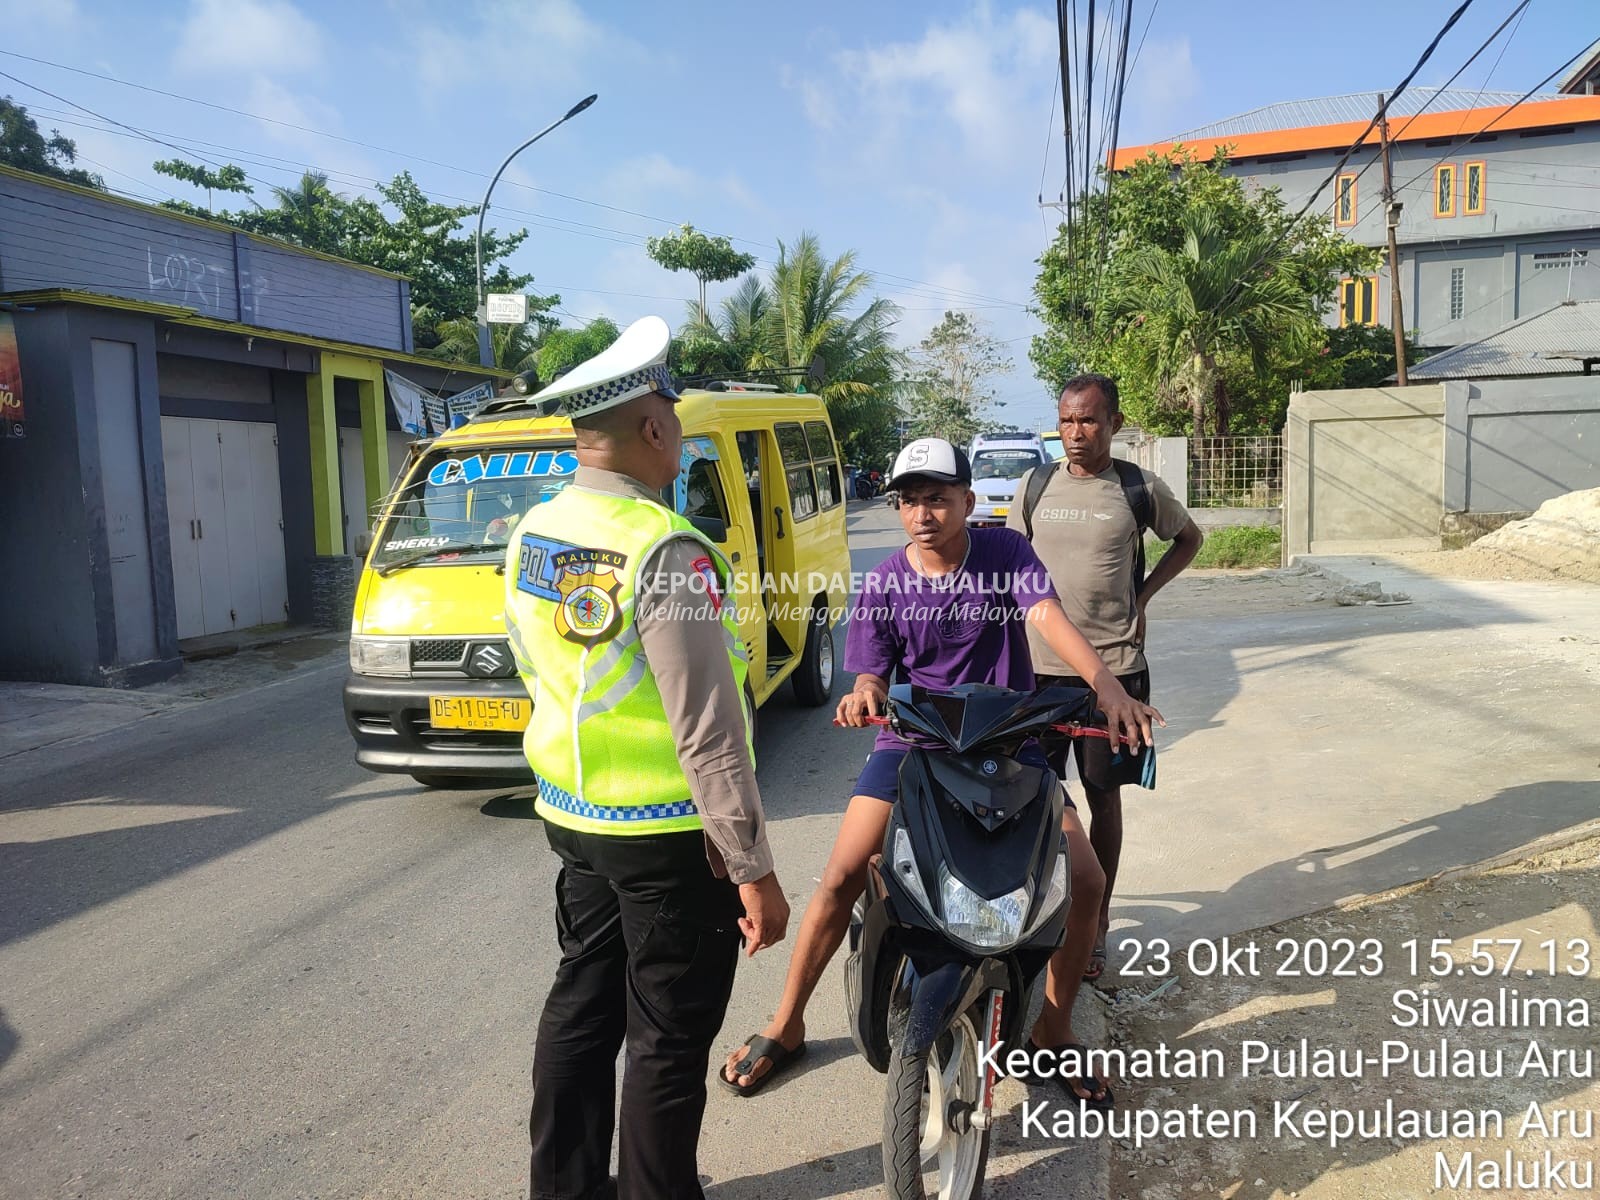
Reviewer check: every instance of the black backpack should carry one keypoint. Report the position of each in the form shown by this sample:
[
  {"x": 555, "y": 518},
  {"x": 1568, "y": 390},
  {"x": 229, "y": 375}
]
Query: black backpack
[{"x": 1134, "y": 486}]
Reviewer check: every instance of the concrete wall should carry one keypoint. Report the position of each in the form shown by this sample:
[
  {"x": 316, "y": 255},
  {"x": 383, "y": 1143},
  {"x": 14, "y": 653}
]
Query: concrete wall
[
  {"x": 1512, "y": 444},
  {"x": 1364, "y": 470},
  {"x": 59, "y": 236},
  {"x": 1166, "y": 458}
]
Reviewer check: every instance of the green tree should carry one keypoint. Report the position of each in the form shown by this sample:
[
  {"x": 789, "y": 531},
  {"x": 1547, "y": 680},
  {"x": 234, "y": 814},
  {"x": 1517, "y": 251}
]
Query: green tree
[
  {"x": 954, "y": 390},
  {"x": 227, "y": 178},
  {"x": 708, "y": 259},
  {"x": 513, "y": 347},
  {"x": 22, "y": 146},
  {"x": 1154, "y": 206},
  {"x": 726, "y": 345},
  {"x": 822, "y": 308},
  {"x": 1180, "y": 311},
  {"x": 565, "y": 348},
  {"x": 404, "y": 232}
]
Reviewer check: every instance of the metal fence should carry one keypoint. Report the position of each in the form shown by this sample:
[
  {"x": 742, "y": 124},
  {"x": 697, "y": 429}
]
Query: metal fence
[{"x": 1236, "y": 472}]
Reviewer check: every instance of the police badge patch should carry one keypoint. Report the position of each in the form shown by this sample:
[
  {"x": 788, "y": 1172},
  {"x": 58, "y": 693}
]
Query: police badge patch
[{"x": 587, "y": 585}]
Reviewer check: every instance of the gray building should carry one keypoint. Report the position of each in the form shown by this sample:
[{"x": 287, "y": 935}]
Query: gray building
[
  {"x": 1501, "y": 201},
  {"x": 203, "y": 426}
]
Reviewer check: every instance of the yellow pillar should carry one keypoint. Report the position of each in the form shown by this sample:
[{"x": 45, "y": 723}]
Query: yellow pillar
[
  {"x": 374, "y": 442},
  {"x": 325, "y": 504}
]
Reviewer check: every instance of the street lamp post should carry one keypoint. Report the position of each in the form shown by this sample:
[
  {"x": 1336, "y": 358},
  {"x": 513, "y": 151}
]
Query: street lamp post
[{"x": 485, "y": 351}]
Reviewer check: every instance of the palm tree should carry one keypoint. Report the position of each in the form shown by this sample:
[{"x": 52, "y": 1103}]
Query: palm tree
[
  {"x": 1179, "y": 310},
  {"x": 817, "y": 308},
  {"x": 514, "y": 347}
]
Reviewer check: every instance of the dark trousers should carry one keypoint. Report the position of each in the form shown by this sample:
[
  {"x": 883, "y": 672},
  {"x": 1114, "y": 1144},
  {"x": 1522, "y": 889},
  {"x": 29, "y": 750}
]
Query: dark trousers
[{"x": 649, "y": 941}]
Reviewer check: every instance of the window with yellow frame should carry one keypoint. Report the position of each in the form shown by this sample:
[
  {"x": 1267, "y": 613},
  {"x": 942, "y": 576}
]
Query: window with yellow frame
[
  {"x": 1444, "y": 190},
  {"x": 1474, "y": 200},
  {"x": 1344, "y": 202},
  {"x": 1358, "y": 300}
]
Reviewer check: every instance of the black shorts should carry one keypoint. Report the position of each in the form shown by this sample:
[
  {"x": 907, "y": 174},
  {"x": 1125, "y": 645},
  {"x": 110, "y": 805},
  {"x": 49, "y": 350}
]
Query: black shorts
[
  {"x": 880, "y": 778},
  {"x": 1094, "y": 755}
]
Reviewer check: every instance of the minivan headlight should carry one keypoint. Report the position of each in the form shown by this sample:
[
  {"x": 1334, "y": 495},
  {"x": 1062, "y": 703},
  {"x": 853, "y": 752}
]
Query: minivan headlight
[
  {"x": 389, "y": 656},
  {"x": 992, "y": 924}
]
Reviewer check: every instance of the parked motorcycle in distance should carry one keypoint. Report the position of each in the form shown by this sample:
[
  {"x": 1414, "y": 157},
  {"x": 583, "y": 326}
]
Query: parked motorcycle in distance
[{"x": 962, "y": 911}]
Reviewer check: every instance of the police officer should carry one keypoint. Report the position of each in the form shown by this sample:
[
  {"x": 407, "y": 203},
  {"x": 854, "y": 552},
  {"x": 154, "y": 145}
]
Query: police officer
[{"x": 626, "y": 636}]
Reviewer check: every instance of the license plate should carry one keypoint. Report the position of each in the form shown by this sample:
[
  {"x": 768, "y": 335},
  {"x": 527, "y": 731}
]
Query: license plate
[
  {"x": 479, "y": 712},
  {"x": 1002, "y": 509}
]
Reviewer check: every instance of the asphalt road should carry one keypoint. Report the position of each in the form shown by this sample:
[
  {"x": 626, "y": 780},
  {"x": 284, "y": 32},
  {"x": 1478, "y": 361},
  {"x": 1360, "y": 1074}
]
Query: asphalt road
[{"x": 234, "y": 964}]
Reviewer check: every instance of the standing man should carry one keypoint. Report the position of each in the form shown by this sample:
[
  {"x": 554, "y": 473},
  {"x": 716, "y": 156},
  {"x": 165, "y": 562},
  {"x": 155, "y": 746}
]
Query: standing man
[
  {"x": 642, "y": 743},
  {"x": 1087, "y": 525}
]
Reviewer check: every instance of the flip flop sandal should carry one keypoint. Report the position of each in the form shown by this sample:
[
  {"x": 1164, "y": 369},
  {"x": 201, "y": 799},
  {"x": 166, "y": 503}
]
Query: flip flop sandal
[
  {"x": 1097, "y": 964},
  {"x": 770, "y": 1049},
  {"x": 1087, "y": 1082}
]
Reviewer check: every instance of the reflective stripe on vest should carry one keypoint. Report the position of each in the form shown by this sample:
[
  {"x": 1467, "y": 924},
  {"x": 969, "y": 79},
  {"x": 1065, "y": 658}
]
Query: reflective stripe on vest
[{"x": 599, "y": 739}]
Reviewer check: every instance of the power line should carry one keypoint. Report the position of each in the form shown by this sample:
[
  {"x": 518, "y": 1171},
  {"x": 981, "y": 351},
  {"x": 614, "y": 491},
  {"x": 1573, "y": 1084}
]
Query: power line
[
  {"x": 1502, "y": 116},
  {"x": 1439, "y": 91}
]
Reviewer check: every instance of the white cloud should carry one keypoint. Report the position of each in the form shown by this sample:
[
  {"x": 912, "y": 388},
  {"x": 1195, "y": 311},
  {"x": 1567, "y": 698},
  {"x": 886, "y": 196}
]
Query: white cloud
[
  {"x": 540, "y": 45},
  {"x": 256, "y": 36},
  {"x": 1161, "y": 92},
  {"x": 968, "y": 79}
]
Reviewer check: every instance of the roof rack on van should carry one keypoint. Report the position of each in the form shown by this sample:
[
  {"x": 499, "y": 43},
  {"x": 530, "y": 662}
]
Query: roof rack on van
[{"x": 814, "y": 372}]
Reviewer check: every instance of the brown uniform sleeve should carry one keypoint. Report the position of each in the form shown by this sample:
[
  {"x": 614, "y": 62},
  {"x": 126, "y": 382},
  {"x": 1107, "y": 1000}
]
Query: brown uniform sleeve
[{"x": 681, "y": 633}]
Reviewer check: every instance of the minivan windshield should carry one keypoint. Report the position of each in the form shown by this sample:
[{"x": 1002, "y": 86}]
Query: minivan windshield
[
  {"x": 462, "y": 502},
  {"x": 1003, "y": 464}
]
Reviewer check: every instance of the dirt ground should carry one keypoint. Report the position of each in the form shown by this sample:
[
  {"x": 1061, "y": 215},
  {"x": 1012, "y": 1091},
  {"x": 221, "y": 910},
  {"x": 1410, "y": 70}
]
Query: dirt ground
[
  {"x": 1229, "y": 593},
  {"x": 1478, "y": 562},
  {"x": 1550, "y": 896}
]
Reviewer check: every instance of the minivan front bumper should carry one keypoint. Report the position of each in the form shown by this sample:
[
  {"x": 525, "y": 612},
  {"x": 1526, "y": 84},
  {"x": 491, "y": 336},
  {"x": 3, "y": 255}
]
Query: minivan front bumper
[{"x": 388, "y": 718}]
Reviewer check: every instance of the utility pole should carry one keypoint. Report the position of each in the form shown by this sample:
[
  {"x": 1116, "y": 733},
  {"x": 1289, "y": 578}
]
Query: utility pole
[{"x": 1391, "y": 216}]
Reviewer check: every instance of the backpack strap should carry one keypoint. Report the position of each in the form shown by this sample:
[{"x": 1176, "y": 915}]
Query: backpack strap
[
  {"x": 1137, "y": 490},
  {"x": 1038, "y": 479}
]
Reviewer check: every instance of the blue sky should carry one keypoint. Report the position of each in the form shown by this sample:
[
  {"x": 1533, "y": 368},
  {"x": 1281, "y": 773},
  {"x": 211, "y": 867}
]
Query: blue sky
[{"x": 915, "y": 134}]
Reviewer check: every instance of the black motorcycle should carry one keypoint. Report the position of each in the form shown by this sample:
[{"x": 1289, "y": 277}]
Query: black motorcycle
[{"x": 962, "y": 911}]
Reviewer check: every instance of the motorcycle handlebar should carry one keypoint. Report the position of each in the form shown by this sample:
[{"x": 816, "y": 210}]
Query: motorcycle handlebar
[{"x": 1071, "y": 730}]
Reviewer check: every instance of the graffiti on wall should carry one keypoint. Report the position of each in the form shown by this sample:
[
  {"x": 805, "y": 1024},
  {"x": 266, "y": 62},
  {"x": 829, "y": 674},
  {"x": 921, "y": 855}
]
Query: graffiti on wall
[{"x": 185, "y": 278}]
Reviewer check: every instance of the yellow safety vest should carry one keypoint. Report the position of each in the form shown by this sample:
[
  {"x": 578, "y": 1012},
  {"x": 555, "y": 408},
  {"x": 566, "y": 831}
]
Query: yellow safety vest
[{"x": 599, "y": 739}]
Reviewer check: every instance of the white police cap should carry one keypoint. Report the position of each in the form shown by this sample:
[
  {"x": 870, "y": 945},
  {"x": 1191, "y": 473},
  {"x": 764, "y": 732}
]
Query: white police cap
[{"x": 632, "y": 366}]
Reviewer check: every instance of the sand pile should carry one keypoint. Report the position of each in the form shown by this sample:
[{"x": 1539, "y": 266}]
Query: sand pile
[{"x": 1563, "y": 537}]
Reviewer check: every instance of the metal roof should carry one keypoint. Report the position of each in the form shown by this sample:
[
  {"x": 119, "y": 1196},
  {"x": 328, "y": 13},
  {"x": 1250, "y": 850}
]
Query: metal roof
[
  {"x": 1552, "y": 342},
  {"x": 1357, "y": 106}
]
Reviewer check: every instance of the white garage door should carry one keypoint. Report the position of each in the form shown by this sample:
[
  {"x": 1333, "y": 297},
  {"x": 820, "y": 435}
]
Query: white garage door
[{"x": 225, "y": 513}]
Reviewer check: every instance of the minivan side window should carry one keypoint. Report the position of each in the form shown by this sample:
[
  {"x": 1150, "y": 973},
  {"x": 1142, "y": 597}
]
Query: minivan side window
[
  {"x": 796, "y": 457},
  {"x": 825, "y": 461}
]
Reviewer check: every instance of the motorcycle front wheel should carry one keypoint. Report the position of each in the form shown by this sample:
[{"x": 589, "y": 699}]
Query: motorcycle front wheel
[{"x": 928, "y": 1108}]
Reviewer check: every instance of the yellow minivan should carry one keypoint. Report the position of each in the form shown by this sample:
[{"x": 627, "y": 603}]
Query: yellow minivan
[{"x": 433, "y": 691}]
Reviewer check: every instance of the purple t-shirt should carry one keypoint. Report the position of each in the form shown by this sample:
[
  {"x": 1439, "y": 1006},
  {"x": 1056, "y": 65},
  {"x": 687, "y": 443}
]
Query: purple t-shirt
[{"x": 965, "y": 627}]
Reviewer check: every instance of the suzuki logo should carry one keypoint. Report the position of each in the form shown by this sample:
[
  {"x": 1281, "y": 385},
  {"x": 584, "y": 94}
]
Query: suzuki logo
[{"x": 489, "y": 659}]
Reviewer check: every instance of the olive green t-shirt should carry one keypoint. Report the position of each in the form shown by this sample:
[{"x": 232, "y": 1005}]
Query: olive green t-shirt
[{"x": 1085, "y": 533}]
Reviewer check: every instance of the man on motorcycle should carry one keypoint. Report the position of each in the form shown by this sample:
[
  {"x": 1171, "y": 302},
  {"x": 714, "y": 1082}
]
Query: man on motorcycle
[{"x": 952, "y": 607}]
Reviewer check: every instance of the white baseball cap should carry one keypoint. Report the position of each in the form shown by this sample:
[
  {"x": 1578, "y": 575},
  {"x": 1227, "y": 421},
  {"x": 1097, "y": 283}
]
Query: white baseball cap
[{"x": 930, "y": 458}]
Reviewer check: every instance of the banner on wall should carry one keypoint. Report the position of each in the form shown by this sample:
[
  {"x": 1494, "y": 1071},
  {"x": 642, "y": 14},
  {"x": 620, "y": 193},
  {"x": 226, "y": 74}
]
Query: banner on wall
[
  {"x": 408, "y": 400},
  {"x": 10, "y": 379}
]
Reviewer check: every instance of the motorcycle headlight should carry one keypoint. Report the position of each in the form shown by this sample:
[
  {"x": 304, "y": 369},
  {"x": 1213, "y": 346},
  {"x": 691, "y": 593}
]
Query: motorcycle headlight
[
  {"x": 1055, "y": 895},
  {"x": 380, "y": 656},
  {"x": 905, "y": 869},
  {"x": 992, "y": 924}
]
